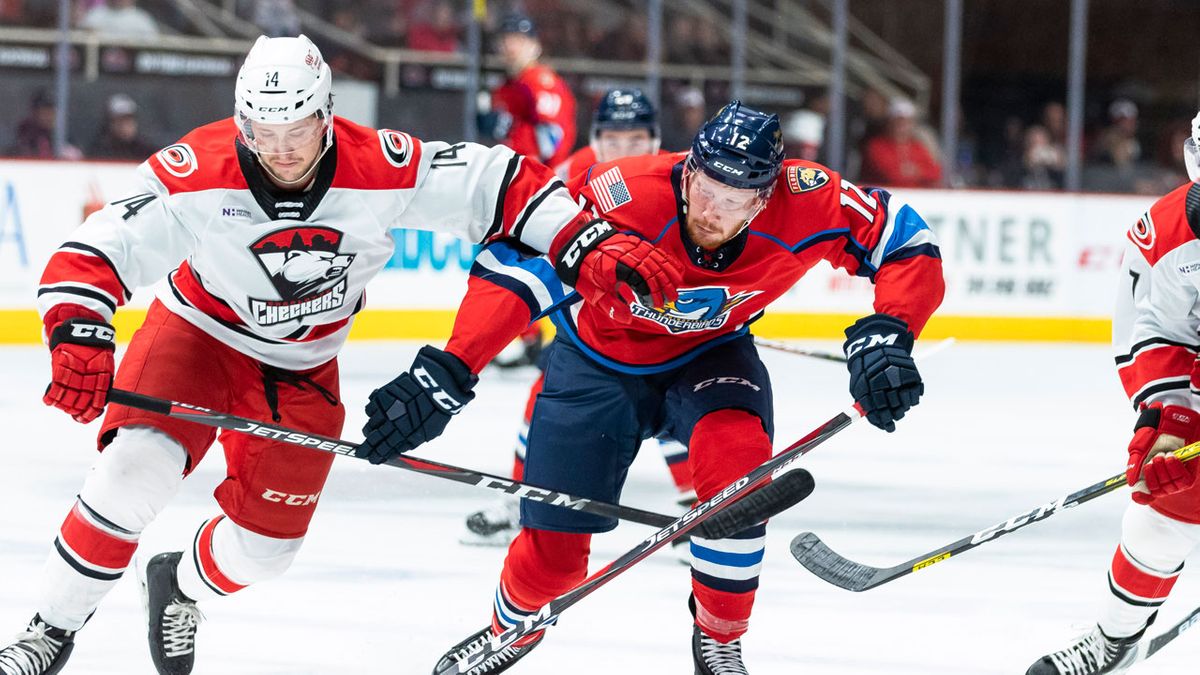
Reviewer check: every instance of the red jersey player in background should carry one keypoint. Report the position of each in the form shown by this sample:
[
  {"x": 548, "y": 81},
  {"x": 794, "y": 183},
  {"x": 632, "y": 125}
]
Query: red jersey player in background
[
  {"x": 268, "y": 227},
  {"x": 745, "y": 225},
  {"x": 625, "y": 124},
  {"x": 533, "y": 111},
  {"x": 1155, "y": 330}
]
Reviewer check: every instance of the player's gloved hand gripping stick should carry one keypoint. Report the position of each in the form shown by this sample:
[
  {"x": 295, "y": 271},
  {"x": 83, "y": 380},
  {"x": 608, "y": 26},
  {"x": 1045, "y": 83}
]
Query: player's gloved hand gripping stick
[{"x": 778, "y": 496}]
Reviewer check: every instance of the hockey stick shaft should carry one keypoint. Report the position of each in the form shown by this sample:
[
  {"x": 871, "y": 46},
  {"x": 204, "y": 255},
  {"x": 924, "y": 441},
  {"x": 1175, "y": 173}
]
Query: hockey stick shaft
[
  {"x": 777, "y": 498},
  {"x": 830, "y": 566},
  {"x": 726, "y": 499},
  {"x": 830, "y": 356},
  {"x": 789, "y": 349}
]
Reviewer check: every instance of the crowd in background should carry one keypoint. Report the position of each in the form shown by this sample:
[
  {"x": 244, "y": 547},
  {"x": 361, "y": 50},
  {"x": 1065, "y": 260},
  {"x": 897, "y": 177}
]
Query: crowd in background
[{"x": 890, "y": 141}]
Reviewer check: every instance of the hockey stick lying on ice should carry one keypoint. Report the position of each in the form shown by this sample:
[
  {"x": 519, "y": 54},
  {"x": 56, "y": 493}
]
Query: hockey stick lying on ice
[
  {"x": 822, "y": 561},
  {"x": 830, "y": 356},
  {"x": 1164, "y": 638},
  {"x": 728, "y": 498},
  {"x": 778, "y": 496}
]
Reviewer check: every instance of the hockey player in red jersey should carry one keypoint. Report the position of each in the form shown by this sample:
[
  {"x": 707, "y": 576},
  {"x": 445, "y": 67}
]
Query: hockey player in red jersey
[
  {"x": 625, "y": 124},
  {"x": 745, "y": 225},
  {"x": 267, "y": 227},
  {"x": 1155, "y": 330},
  {"x": 533, "y": 111}
]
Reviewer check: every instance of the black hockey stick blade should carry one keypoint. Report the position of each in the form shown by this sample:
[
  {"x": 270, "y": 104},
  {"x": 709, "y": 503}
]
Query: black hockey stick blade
[
  {"x": 827, "y": 564},
  {"x": 1163, "y": 639},
  {"x": 776, "y": 497}
]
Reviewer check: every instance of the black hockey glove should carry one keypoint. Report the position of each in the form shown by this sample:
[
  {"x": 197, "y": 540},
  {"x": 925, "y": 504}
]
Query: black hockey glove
[
  {"x": 415, "y": 407},
  {"x": 883, "y": 376}
]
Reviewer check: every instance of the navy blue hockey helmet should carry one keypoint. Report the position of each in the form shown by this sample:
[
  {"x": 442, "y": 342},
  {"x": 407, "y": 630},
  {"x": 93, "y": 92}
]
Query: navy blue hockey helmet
[
  {"x": 516, "y": 22},
  {"x": 740, "y": 147},
  {"x": 623, "y": 109}
]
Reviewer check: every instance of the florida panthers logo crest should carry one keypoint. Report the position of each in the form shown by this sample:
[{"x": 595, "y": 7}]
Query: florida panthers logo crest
[
  {"x": 307, "y": 271},
  {"x": 704, "y": 308}
]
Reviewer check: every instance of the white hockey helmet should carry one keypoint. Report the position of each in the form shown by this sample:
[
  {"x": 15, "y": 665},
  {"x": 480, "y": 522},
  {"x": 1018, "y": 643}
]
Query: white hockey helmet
[
  {"x": 283, "y": 80},
  {"x": 1191, "y": 151}
]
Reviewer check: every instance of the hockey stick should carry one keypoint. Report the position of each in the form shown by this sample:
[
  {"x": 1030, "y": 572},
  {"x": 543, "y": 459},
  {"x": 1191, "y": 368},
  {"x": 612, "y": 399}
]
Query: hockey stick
[
  {"x": 830, "y": 356},
  {"x": 822, "y": 561},
  {"x": 1162, "y": 640},
  {"x": 726, "y": 499},
  {"x": 772, "y": 499}
]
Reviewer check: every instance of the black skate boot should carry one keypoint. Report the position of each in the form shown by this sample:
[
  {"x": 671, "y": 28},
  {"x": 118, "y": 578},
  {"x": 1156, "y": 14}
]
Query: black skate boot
[
  {"x": 497, "y": 663},
  {"x": 496, "y": 525},
  {"x": 41, "y": 649},
  {"x": 712, "y": 657},
  {"x": 1092, "y": 653},
  {"x": 715, "y": 658},
  {"x": 172, "y": 617}
]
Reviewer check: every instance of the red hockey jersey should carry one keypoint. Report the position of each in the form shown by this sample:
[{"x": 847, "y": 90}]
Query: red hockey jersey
[
  {"x": 543, "y": 114},
  {"x": 813, "y": 215}
]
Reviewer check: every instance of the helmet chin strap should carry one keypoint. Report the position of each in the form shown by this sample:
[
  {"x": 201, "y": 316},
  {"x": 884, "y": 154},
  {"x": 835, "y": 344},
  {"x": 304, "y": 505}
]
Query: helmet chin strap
[{"x": 303, "y": 180}]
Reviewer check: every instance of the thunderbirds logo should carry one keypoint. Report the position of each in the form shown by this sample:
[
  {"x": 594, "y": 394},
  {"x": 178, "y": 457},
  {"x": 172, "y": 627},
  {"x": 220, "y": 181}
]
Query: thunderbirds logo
[
  {"x": 705, "y": 308},
  {"x": 307, "y": 271}
]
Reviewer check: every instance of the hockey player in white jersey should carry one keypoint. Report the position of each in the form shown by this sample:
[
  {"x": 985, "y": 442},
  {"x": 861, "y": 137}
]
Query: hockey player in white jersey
[
  {"x": 1155, "y": 333},
  {"x": 267, "y": 227}
]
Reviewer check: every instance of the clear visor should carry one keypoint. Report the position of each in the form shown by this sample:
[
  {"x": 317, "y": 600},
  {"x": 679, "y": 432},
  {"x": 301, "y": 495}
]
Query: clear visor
[
  {"x": 706, "y": 192},
  {"x": 282, "y": 139},
  {"x": 610, "y": 144},
  {"x": 1191, "y": 159}
]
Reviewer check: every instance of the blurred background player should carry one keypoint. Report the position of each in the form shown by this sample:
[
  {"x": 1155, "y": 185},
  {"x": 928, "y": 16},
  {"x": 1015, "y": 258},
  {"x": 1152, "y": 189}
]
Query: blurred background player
[
  {"x": 690, "y": 368},
  {"x": 307, "y": 204},
  {"x": 1154, "y": 336},
  {"x": 625, "y": 124},
  {"x": 533, "y": 111}
]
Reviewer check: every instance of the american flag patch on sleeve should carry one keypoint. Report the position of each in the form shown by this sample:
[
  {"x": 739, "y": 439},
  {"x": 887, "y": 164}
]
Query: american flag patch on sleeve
[{"x": 610, "y": 190}]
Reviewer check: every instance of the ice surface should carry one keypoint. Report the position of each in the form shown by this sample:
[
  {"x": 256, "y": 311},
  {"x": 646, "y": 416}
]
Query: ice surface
[{"x": 382, "y": 586}]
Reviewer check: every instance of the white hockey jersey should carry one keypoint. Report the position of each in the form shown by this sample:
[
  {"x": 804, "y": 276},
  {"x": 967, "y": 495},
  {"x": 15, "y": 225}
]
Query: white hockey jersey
[
  {"x": 279, "y": 275},
  {"x": 1156, "y": 327}
]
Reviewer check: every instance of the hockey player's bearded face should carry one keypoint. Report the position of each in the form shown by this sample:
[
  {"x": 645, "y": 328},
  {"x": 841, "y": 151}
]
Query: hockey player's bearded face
[
  {"x": 288, "y": 151},
  {"x": 716, "y": 212},
  {"x": 613, "y": 144}
]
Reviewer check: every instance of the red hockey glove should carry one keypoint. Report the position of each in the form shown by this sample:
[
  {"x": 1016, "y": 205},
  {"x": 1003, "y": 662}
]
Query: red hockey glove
[
  {"x": 81, "y": 367},
  {"x": 598, "y": 261},
  {"x": 1161, "y": 430}
]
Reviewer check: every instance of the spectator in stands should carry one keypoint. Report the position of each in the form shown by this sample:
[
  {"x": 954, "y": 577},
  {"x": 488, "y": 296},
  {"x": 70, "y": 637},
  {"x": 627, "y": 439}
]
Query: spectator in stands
[
  {"x": 120, "y": 18},
  {"x": 35, "y": 133},
  {"x": 690, "y": 113},
  {"x": 897, "y": 158},
  {"x": 276, "y": 18},
  {"x": 626, "y": 41},
  {"x": 435, "y": 29},
  {"x": 803, "y": 133},
  {"x": 1044, "y": 164},
  {"x": 1118, "y": 143},
  {"x": 121, "y": 138},
  {"x": 1054, "y": 119}
]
